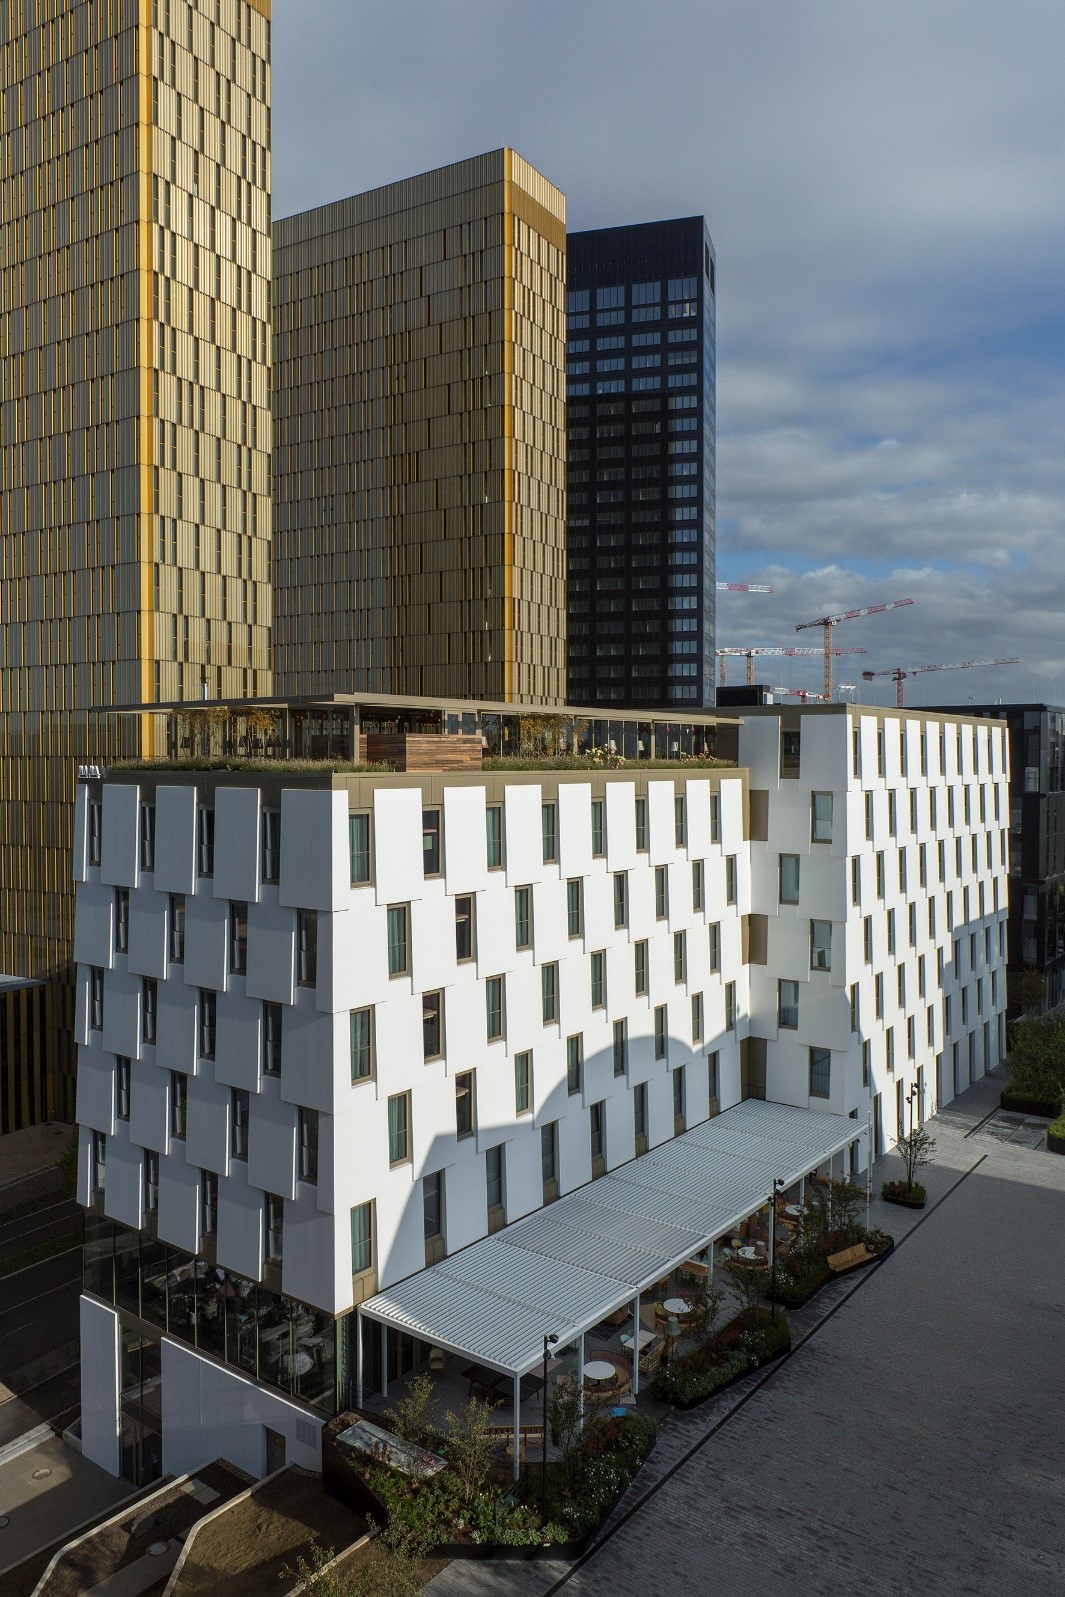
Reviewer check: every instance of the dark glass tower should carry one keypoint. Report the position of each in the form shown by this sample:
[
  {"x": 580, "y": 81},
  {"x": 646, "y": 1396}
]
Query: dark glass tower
[{"x": 640, "y": 385}]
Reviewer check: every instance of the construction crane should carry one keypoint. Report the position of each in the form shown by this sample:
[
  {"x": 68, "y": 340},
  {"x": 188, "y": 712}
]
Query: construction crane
[
  {"x": 742, "y": 587},
  {"x": 828, "y": 622},
  {"x": 803, "y": 695},
  {"x": 723, "y": 655},
  {"x": 900, "y": 673}
]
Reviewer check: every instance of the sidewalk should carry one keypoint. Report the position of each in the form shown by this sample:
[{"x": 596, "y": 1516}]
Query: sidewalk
[{"x": 49, "y": 1508}]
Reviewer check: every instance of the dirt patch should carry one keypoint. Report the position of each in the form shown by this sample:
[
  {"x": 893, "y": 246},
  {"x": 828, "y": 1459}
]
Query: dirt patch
[
  {"x": 243, "y": 1551},
  {"x": 365, "y": 1559}
]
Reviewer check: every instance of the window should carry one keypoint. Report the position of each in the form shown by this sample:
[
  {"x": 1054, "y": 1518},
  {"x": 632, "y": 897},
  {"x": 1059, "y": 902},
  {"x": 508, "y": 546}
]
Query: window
[
  {"x": 208, "y": 1203},
  {"x": 398, "y": 939},
  {"x": 598, "y": 827},
  {"x": 900, "y": 983},
  {"x": 639, "y": 1116},
  {"x": 306, "y": 947},
  {"x": 597, "y": 1134},
  {"x": 889, "y": 1048},
  {"x": 789, "y": 878},
  {"x": 715, "y": 945},
  {"x": 96, "y": 998},
  {"x": 431, "y": 857},
  {"x": 433, "y": 1205},
  {"x": 865, "y": 1063},
  {"x": 271, "y": 845},
  {"x": 523, "y": 1083},
  {"x": 790, "y": 752},
  {"x": 151, "y": 1181},
  {"x": 820, "y": 945},
  {"x": 598, "y": 979},
  {"x": 149, "y": 1000},
  {"x": 867, "y": 939},
  {"x": 123, "y": 1070},
  {"x": 891, "y": 931},
  {"x": 730, "y": 879},
  {"x": 464, "y": 939},
  {"x": 880, "y": 879},
  {"x": 621, "y": 898},
  {"x": 697, "y": 1017},
  {"x": 399, "y": 1128},
  {"x": 892, "y": 816},
  {"x": 680, "y": 956},
  {"x": 856, "y": 879},
  {"x": 575, "y": 906},
  {"x": 465, "y": 1104},
  {"x": 147, "y": 838},
  {"x": 922, "y": 864},
  {"x": 204, "y": 841},
  {"x": 238, "y": 938},
  {"x": 641, "y": 826},
  {"x": 715, "y": 818},
  {"x": 549, "y": 831},
  {"x": 678, "y": 1099},
  {"x": 549, "y": 1151},
  {"x": 640, "y": 962},
  {"x": 621, "y": 1046},
  {"x": 493, "y": 820},
  {"x": 660, "y": 1031},
  {"x": 661, "y": 893},
  {"x": 903, "y": 872},
  {"x": 574, "y": 1062},
  {"x": 680, "y": 821},
  {"x": 730, "y": 1006},
  {"x": 868, "y": 817},
  {"x": 96, "y": 819},
  {"x": 432, "y": 1025},
  {"x": 911, "y": 918},
  {"x": 99, "y": 1161},
  {"x": 549, "y": 992},
  {"x": 239, "y": 1111},
  {"x": 362, "y": 1238},
  {"x": 522, "y": 917},
  {"x": 359, "y": 848},
  {"x": 493, "y": 1176},
  {"x": 878, "y": 995},
  {"x": 121, "y": 920},
  {"x": 208, "y": 1016},
  {"x": 911, "y": 1038},
  {"x": 855, "y": 1006},
  {"x": 179, "y": 1104},
  {"x": 493, "y": 997},
  {"x": 698, "y": 886},
  {"x": 788, "y": 1005},
  {"x": 820, "y": 1073},
  {"x": 176, "y": 925},
  {"x": 821, "y": 817},
  {"x": 272, "y": 1039}
]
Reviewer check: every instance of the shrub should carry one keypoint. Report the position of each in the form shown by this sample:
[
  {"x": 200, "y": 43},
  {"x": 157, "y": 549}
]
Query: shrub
[
  {"x": 1037, "y": 1059},
  {"x": 753, "y": 1337}
]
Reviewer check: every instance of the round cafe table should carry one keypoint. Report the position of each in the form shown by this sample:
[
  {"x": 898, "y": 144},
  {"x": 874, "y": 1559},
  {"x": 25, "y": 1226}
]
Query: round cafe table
[
  {"x": 792, "y": 1210},
  {"x": 677, "y": 1306},
  {"x": 599, "y": 1370}
]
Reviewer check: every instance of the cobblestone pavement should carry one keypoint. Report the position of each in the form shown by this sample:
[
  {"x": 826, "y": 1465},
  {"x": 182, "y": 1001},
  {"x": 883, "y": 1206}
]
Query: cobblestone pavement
[{"x": 911, "y": 1443}]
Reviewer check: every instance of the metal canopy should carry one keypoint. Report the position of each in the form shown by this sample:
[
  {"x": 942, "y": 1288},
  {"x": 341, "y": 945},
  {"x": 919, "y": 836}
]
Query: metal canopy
[{"x": 564, "y": 1268}]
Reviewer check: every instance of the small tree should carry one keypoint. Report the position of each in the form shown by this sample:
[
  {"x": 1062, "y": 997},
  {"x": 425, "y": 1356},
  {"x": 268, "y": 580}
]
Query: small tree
[
  {"x": 916, "y": 1148},
  {"x": 469, "y": 1446},
  {"x": 409, "y": 1419},
  {"x": 707, "y": 1299},
  {"x": 749, "y": 1281},
  {"x": 564, "y": 1416}
]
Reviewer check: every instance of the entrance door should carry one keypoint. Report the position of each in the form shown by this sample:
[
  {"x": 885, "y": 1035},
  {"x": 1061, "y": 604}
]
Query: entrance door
[{"x": 275, "y": 1450}]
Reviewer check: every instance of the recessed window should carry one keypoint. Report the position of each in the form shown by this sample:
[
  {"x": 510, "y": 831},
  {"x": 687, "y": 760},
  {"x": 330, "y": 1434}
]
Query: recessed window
[
  {"x": 522, "y": 917},
  {"x": 493, "y": 1175},
  {"x": 493, "y": 996},
  {"x": 360, "y": 1027},
  {"x": 549, "y": 992},
  {"x": 680, "y": 956},
  {"x": 698, "y": 885},
  {"x": 274, "y": 1238},
  {"x": 432, "y": 1025},
  {"x": 465, "y": 1104},
  {"x": 271, "y": 845},
  {"x": 715, "y": 818},
  {"x": 306, "y": 947},
  {"x": 464, "y": 928},
  {"x": 821, "y": 817},
  {"x": 788, "y": 1004},
  {"x": 621, "y": 898},
  {"x": 208, "y": 1203},
  {"x": 574, "y": 1062},
  {"x": 433, "y": 1206},
  {"x": 238, "y": 938},
  {"x": 661, "y": 893},
  {"x": 272, "y": 1039},
  {"x": 789, "y": 878},
  {"x": 398, "y": 939},
  {"x": 96, "y": 821},
  {"x": 641, "y": 825},
  {"x": 639, "y": 1115},
  {"x": 575, "y": 906},
  {"x": 820, "y": 1073},
  {"x": 523, "y": 1083},
  {"x": 493, "y": 819},
  {"x": 597, "y": 965},
  {"x": 621, "y": 1046},
  {"x": 678, "y": 1100},
  {"x": 640, "y": 963},
  {"x": 730, "y": 1006},
  {"x": 730, "y": 879},
  {"x": 697, "y": 1017},
  {"x": 123, "y": 1071},
  {"x": 362, "y": 1238},
  {"x": 597, "y": 1134},
  {"x": 151, "y": 1181},
  {"x": 549, "y": 1151},
  {"x": 149, "y": 1001},
  {"x": 179, "y": 1104},
  {"x": 96, "y": 998},
  {"x": 680, "y": 821},
  {"x": 204, "y": 840},
  {"x": 239, "y": 1112},
  {"x": 549, "y": 831},
  {"x": 714, "y": 940},
  {"x": 208, "y": 1016},
  {"x": 359, "y": 847},
  {"x": 660, "y": 1031},
  {"x": 147, "y": 837},
  {"x": 176, "y": 926},
  {"x": 308, "y": 1144},
  {"x": 712, "y": 1062},
  {"x": 399, "y": 1128},
  {"x": 598, "y": 827},
  {"x": 121, "y": 920},
  {"x": 856, "y": 879},
  {"x": 431, "y": 851},
  {"x": 821, "y": 945}
]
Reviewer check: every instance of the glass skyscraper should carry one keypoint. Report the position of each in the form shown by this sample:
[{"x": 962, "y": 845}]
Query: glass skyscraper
[{"x": 640, "y": 357}]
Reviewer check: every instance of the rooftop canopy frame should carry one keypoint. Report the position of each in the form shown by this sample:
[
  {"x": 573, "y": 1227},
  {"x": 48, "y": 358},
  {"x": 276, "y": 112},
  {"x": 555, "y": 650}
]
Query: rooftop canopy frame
[{"x": 565, "y": 1267}]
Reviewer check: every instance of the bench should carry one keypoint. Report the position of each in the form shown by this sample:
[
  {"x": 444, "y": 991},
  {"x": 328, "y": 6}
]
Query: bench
[{"x": 849, "y": 1259}]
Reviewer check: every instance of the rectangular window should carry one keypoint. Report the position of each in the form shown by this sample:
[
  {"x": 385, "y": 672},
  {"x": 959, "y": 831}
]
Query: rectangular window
[
  {"x": 574, "y": 1062},
  {"x": 790, "y": 752},
  {"x": 493, "y": 820},
  {"x": 176, "y": 928},
  {"x": 123, "y": 1071},
  {"x": 431, "y": 853},
  {"x": 208, "y": 1203},
  {"x": 911, "y": 917},
  {"x": 96, "y": 821},
  {"x": 151, "y": 1181},
  {"x": 730, "y": 879},
  {"x": 179, "y": 1104},
  {"x": 891, "y": 931},
  {"x": 239, "y": 1111},
  {"x": 889, "y": 1048},
  {"x": 680, "y": 956},
  {"x": 597, "y": 1133},
  {"x": 922, "y": 864},
  {"x": 715, "y": 818},
  {"x": 621, "y": 1046},
  {"x": 697, "y": 1018},
  {"x": 149, "y": 1001},
  {"x": 398, "y": 939},
  {"x": 621, "y": 898},
  {"x": 678, "y": 1100},
  {"x": 549, "y": 832},
  {"x": 308, "y": 1145},
  {"x": 900, "y": 983},
  {"x": 549, "y": 992},
  {"x": 867, "y": 939},
  {"x": 868, "y": 817},
  {"x": 911, "y": 1038},
  {"x": 878, "y": 995},
  {"x": 855, "y": 1006},
  {"x": 432, "y": 1025},
  {"x": 639, "y": 1115},
  {"x": 660, "y": 1031},
  {"x": 661, "y": 893},
  {"x": 433, "y": 1205},
  {"x": 712, "y": 1062},
  {"x": 575, "y": 906},
  {"x": 523, "y": 1083},
  {"x": 147, "y": 837},
  {"x": 598, "y": 828},
  {"x": 306, "y": 947},
  {"x": 238, "y": 938},
  {"x": 204, "y": 841},
  {"x": 399, "y": 1128},
  {"x": 820, "y": 945},
  {"x": 880, "y": 876},
  {"x": 680, "y": 821},
  {"x": 121, "y": 920},
  {"x": 96, "y": 998},
  {"x": 359, "y": 851},
  {"x": 865, "y": 1063},
  {"x": 208, "y": 1014},
  {"x": 789, "y": 878},
  {"x": 788, "y": 1005},
  {"x": 856, "y": 879},
  {"x": 903, "y": 872},
  {"x": 362, "y": 1238},
  {"x": 464, "y": 939},
  {"x": 698, "y": 886},
  {"x": 271, "y": 845},
  {"x": 715, "y": 945},
  {"x": 730, "y": 1006},
  {"x": 820, "y": 1073},
  {"x": 272, "y": 1039},
  {"x": 892, "y": 817},
  {"x": 598, "y": 979},
  {"x": 640, "y": 962},
  {"x": 493, "y": 1176},
  {"x": 493, "y": 996},
  {"x": 465, "y": 1104},
  {"x": 361, "y": 1044},
  {"x": 641, "y": 826},
  {"x": 549, "y": 1151},
  {"x": 821, "y": 817},
  {"x": 522, "y": 917}
]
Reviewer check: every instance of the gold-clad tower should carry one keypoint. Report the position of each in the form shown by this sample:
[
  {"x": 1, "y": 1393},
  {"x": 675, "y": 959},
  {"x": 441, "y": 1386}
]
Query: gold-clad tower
[
  {"x": 420, "y": 474},
  {"x": 135, "y": 524}
]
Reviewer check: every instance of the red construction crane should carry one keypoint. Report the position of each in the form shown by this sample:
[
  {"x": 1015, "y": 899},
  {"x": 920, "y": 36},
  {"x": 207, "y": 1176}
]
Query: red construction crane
[
  {"x": 828, "y": 622},
  {"x": 742, "y": 587},
  {"x": 803, "y": 695},
  {"x": 750, "y": 654},
  {"x": 900, "y": 674}
]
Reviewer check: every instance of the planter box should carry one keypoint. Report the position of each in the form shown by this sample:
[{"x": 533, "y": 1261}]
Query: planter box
[
  {"x": 792, "y": 1304},
  {"x": 1016, "y": 1103},
  {"x": 1055, "y": 1142},
  {"x": 901, "y": 1200},
  {"x": 685, "y": 1404}
]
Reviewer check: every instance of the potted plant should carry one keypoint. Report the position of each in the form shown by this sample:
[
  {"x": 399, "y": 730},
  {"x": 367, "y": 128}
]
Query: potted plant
[{"x": 916, "y": 1149}]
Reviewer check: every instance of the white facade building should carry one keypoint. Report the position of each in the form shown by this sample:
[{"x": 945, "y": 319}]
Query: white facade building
[{"x": 332, "y": 1028}]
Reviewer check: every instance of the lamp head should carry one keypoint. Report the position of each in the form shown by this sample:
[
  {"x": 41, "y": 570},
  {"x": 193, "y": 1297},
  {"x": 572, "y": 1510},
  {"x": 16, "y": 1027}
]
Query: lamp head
[{"x": 552, "y": 1338}]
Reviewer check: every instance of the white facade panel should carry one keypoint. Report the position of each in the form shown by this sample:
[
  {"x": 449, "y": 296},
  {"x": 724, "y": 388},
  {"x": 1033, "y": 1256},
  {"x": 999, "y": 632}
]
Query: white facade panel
[
  {"x": 175, "y": 1047},
  {"x": 397, "y": 837},
  {"x": 119, "y": 860},
  {"x": 523, "y": 848},
  {"x": 574, "y": 828},
  {"x": 148, "y": 1126},
  {"x": 175, "y": 839},
  {"x": 238, "y": 1048},
  {"x": 94, "y": 935},
  {"x": 179, "y": 1200},
  {"x": 101, "y": 1365},
  {"x": 465, "y": 840},
  {"x": 206, "y": 924},
  {"x": 148, "y": 912},
  {"x": 314, "y": 848},
  {"x": 213, "y": 1412},
  {"x": 272, "y": 1143},
  {"x": 237, "y": 844},
  {"x": 240, "y": 1223},
  {"x": 96, "y": 1089},
  {"x": 124, "y": 1192},
  {"x": 272, "y": 953},
  {"x": 122, "y": 993}
]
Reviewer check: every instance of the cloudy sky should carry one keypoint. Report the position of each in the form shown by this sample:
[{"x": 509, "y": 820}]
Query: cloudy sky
[{"x": 885, "y": 185}]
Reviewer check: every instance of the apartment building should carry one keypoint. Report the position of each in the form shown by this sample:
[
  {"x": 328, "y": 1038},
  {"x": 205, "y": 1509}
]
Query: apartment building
[
  {"x": 420, "y": 446},
  {"x": 341, "y": 1033},
  {"x": 134, "y": 410}
]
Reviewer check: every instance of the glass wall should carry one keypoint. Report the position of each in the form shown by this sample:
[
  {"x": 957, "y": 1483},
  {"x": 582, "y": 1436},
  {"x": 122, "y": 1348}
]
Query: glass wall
[{"x": 280, "y": 1341}]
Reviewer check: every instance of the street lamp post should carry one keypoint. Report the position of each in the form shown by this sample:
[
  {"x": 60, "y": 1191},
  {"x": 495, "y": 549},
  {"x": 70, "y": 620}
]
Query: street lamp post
[
  {"x": 778, "y": 1188},
  {"x": 549, "y": 1341},
  {"x": 912, "y": 1094}
]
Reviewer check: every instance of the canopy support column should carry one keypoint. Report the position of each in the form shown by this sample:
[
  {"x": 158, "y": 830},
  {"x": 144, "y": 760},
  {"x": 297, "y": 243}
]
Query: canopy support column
[
  {"x": 580, "y": 1376},
  {"x": 358, "y": 1358},
  {"x": 384, "y": 1359},
  {"x": 517, "y": 1426},
  {"x": 636, "y": 1345}
]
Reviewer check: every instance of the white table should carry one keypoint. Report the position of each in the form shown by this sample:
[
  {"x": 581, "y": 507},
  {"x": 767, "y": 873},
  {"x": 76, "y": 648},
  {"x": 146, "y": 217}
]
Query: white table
[
  {"x": 792, "y": 1210},
  {"x": 646, "y": 1337},
  {"x": 599, "y": 1370},
  {"x": 677, "y": 1306},
  {"x": 748, "y": 1252}
]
